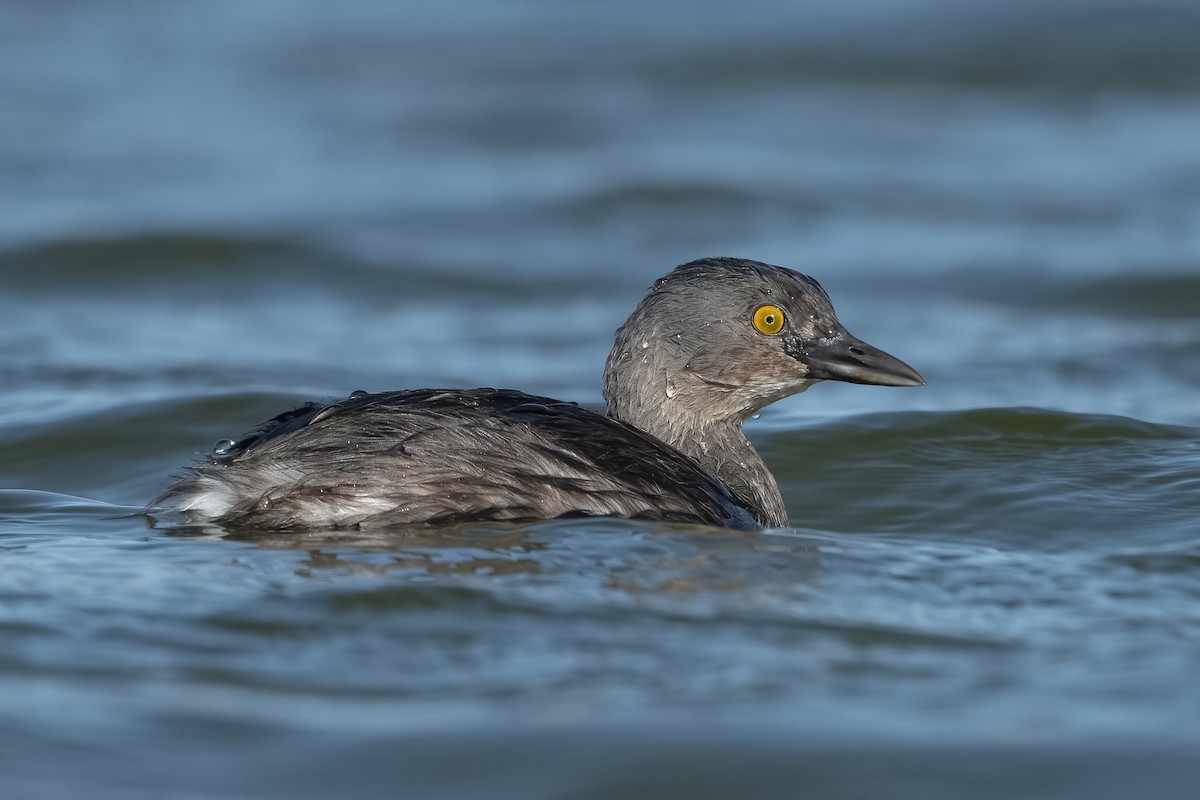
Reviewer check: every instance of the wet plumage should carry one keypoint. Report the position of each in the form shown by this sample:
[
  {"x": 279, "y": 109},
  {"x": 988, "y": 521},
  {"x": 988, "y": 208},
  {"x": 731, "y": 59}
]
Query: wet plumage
[{"x": 711, "y": 344}]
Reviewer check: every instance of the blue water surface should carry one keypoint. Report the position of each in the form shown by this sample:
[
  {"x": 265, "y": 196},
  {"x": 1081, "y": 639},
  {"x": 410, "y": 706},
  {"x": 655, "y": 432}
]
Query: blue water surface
[{"x": 212, "y": 211}]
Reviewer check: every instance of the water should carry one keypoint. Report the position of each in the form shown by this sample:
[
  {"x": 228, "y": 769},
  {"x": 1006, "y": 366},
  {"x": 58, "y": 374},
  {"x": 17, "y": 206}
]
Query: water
[{"x": 215, "y": 210}]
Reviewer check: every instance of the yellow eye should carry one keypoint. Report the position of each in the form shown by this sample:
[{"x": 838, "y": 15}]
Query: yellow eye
[{"x": 768, "y": 319}]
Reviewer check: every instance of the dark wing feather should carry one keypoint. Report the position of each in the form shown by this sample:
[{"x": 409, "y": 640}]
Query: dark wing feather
[{"x": 443, "y": 456}]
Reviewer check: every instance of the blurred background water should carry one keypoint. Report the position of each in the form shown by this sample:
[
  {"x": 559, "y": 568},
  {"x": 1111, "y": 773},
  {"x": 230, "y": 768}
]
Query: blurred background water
[{"x": 212, "y": 210}]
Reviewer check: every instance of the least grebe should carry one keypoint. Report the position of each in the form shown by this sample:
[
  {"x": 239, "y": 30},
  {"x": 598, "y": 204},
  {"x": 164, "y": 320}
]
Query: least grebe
[{"x": 712, "y": 343}]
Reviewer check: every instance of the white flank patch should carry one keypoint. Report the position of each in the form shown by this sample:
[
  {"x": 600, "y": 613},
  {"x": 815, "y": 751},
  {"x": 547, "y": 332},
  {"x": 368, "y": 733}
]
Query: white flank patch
[{"x": 213, "y": 499}]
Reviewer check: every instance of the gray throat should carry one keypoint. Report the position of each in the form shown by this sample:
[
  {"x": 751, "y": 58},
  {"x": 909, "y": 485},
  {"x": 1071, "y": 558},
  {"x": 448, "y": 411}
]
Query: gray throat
[{"x": 700, "y": 420}]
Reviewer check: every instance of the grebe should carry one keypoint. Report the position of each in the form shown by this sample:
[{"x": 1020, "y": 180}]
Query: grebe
[{"x": 710, "y": 345}]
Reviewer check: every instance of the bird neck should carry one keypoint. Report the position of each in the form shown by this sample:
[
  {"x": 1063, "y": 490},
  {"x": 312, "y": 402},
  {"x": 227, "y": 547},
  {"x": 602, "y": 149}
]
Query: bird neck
[
  {"x": 724, "y": 452},
  {"x": 716, "y": 444}
]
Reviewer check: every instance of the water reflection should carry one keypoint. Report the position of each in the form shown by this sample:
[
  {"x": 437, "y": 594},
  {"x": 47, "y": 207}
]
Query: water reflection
[{"x": 628, "y": 557}]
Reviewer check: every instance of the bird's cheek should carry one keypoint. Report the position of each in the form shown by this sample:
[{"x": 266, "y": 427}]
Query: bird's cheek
[
  {"x": 726, "y": 367},
  {"x": 785, "y": 366}
]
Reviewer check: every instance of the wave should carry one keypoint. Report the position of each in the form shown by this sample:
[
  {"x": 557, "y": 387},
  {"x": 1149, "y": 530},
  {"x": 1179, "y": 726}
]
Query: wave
[
  {"x": 1035, "y": 477},
  {"x": 1061, "y": 46},
  {"x": 175, "y": 264}
]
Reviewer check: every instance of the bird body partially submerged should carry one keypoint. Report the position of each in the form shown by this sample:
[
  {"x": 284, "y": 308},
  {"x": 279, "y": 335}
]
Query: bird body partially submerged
[
  {"x": 444, "y": 456},
  {"x": 711, "y": 344}
]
